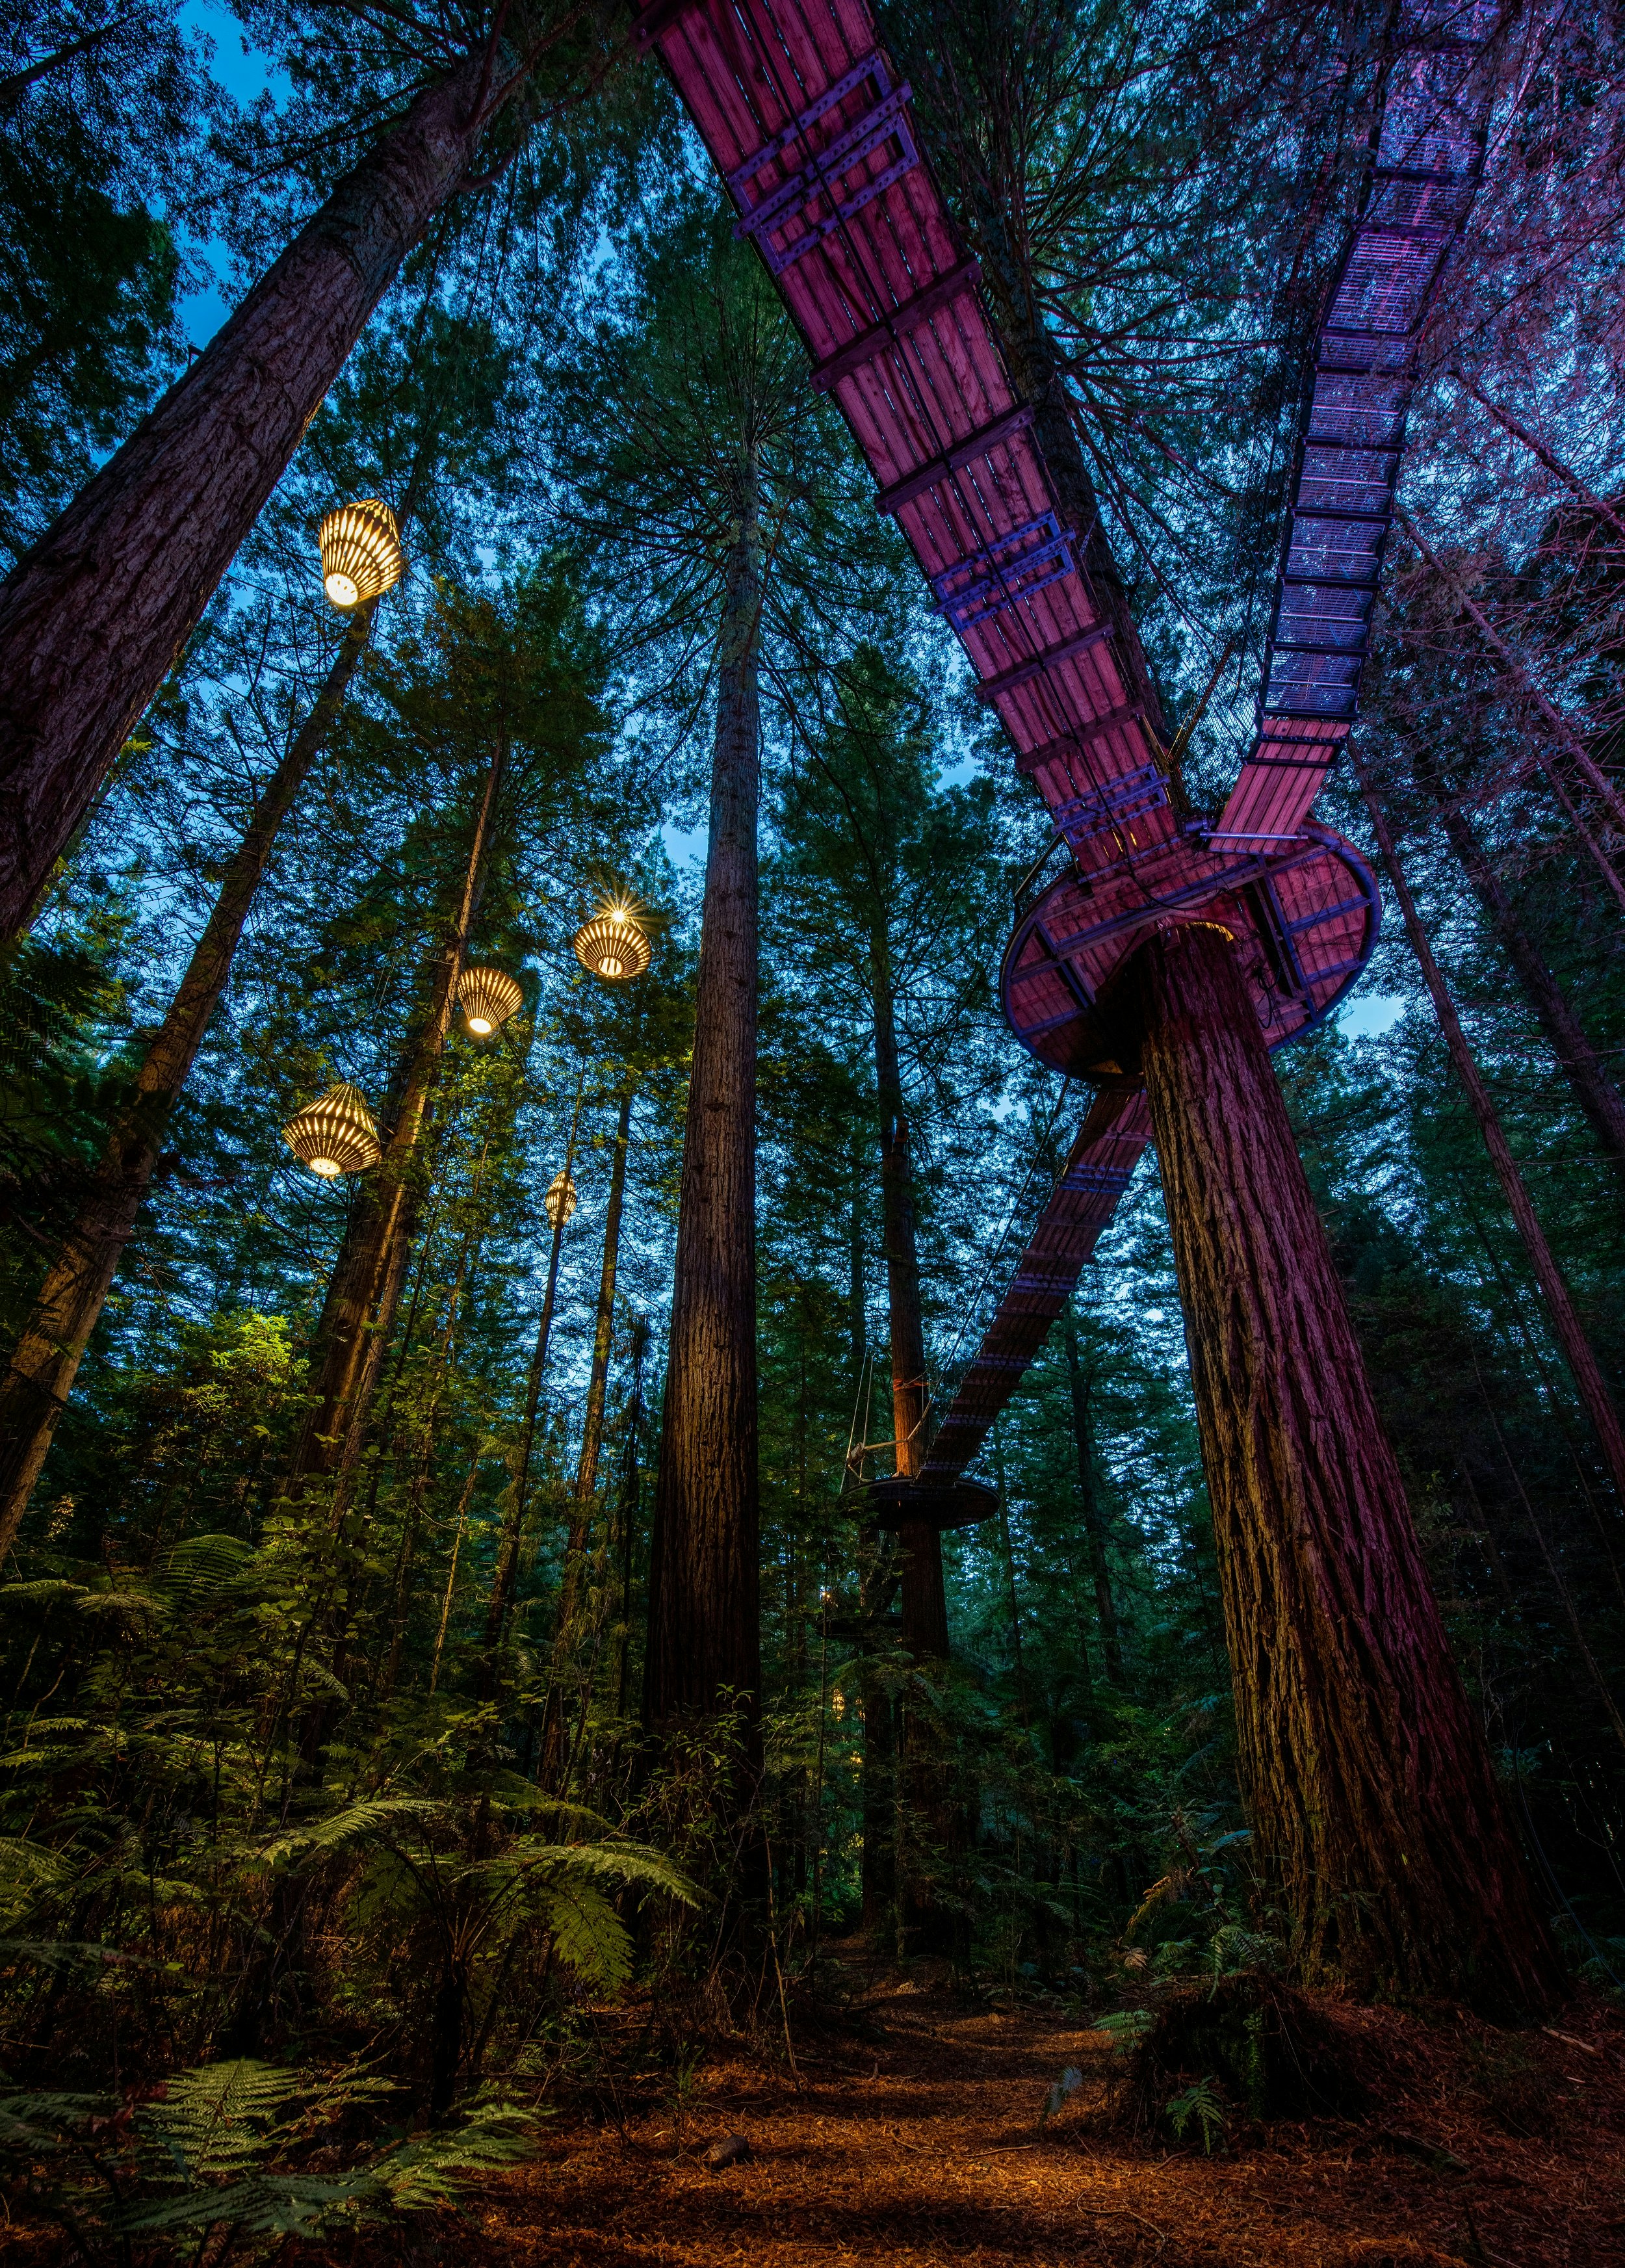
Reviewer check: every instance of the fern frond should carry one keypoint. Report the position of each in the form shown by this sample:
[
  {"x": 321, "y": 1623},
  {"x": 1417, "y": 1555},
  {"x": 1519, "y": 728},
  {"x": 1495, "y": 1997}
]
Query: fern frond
[
  {"x": 589, "y": 1936},
  {"x": 214, "y": 2121},
  {"x": 49, "y": 1591},
  {"x": 197, "y": 1570},
  {"x": 632, "y": 1865},
  {"x": 370, "y": 1820}
]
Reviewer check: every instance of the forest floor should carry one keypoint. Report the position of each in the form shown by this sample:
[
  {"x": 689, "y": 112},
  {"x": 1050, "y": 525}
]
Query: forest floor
[{"x": 915, "y": 2137}]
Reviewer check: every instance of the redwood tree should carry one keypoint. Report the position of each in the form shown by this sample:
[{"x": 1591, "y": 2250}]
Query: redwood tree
[
  {"x": 710, "y": 484},
  {"x": 1367, "y": 1777}
]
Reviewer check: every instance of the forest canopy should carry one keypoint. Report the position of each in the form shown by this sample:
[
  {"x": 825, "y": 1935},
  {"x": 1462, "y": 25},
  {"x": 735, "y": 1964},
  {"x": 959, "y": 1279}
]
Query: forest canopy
[{"x": 446, "y": 1594}]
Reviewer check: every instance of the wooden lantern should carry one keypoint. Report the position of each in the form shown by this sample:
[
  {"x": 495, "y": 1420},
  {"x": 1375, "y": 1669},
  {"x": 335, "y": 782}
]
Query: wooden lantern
[
  {"x": 488, "y": 998},
  {"x": 611, "y": 945},
  {"x": 361, "y": 554},
  {"x": 560, "y": 1201},
  {"x": 335, "y": 1134}
]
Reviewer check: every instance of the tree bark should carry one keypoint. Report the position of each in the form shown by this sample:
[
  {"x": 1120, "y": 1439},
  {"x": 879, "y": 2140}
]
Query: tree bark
[
  {"x": 46, "y": 1358},
  {"x": 1368, "y": 1780},
  {"x": 704, "y": 1639},
  {"x": 1591, "y": 1087},
  {"x": 95, "y": 617},
  {"x": 1570, "y": 1331},
  {"x": 365, "y": 1284},
  {"x": 1094, "y": 1526}
]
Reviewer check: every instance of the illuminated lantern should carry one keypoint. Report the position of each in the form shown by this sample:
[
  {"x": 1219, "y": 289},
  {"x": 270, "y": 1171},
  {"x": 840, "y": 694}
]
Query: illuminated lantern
[
  {"x": 361, "y": 554},
  {"x": 611, "y": 945},
  {"x": 488, "y": 998},
  {"x": 335, "y": 1134},
  {"x": 560, "y": 1201}
]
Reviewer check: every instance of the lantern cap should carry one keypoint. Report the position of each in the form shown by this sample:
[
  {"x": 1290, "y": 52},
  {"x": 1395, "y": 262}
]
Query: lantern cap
[
  {"x": 335, "y": 1134},
  {"x": 488, "y": 998},
  {"x": 361, "y": 553},
  {"x": 611, "y": 945},
  {"x": 560, "y": 1201}
]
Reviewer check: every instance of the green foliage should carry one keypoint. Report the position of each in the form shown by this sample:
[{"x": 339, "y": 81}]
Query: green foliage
[
  {"x": 238, "y": 2154},
  {"x": 1199, "y": 2105}
]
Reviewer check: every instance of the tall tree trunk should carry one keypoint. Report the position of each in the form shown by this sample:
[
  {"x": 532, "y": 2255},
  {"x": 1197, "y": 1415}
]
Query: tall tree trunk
[
  {"x": 1367, "y": 1779},
  {"x": 566, "y": 1634},
  {"x": 365, "y": 1284},
  {"x": 513, "y": 1525},
  {"x": 1089, "y": 1497},
  {"x": 46, "y": 1358},
  {"x": 1570, "y": 1331},
  {"x": 95, "y": 616},
  {"x": 1591, "y": 1087},
  {"x": 925, "y": 1609},
  {"x": 927, "y": 1924},
  {"x": 626, "y": 1513},
  {"x": 704, "y": 1636},
  {"x": 592, "y": 1424}
]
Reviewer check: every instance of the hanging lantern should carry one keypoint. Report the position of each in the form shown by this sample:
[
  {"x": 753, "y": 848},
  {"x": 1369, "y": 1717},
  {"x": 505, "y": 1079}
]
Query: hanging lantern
[
  {"x": 361, "y": 554},
  {"x": 488, "y": 998},
  {"x": 611, "y": 945},
  {"x": 335, "y": 1134},
  {"x": 560, "y": 1201}
]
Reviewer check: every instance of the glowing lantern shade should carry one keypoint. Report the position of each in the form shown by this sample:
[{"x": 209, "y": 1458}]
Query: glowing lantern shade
[
  {"x": 488, "y": 998},
  {"x": 361, "y": 554},
  {"x": 560, "y": 1201},
  {"x": 611, "y": 945},
  {"x": 335, "y": 1134}
]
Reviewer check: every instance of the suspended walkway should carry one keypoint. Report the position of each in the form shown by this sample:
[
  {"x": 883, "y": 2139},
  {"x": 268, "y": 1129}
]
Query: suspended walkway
[{"x": 812, "y": 132}]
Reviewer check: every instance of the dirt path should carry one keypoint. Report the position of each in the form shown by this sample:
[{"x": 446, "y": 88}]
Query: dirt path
[{"x": 922, "y": 2146}]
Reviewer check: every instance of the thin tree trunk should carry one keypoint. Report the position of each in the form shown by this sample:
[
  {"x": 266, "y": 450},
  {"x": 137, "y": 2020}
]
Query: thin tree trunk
[
  {"x": 365, "y": 1284},
  {"x": 1367, "y": 1779},
  {"x": 46, "y": 1358},
  {"x": 565, "y": 1633},
  {"x": 1538, "y": 449},
  {"x": 93, "y": 618},
  {"x": 928, "y": 1924},
  {"x": 1591, "y": 1087},
  {"x": 592, "y": 1427},
  {"x": 1556, "y": 724},
  {"x": 1566, "y": 1324},
  {"x": 627, "y": 1511},
  {"x": 1094, "y": 1526},
  {"x": 924, "y": 1603},
  {"x": 704, "y": 1640},
  {"x": 513, "y": 1526}
]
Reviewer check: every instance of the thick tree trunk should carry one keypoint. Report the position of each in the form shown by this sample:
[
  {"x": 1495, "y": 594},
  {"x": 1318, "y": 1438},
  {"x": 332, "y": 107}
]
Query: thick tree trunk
[
  {"x": 1591, "y": 1087},
  {"x": 95, "y": 616},
  {"x": 1567, "y": 1326},
  {"x": 1089, "y": 1497},
  {"x": 365, "y": 1284},
  {"x": 704, "y": 1636},
  {"x": 567, "y": 1634},
  {"x": 46, "y": 1360},
  {"x": 1368, "y": 1780}
]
